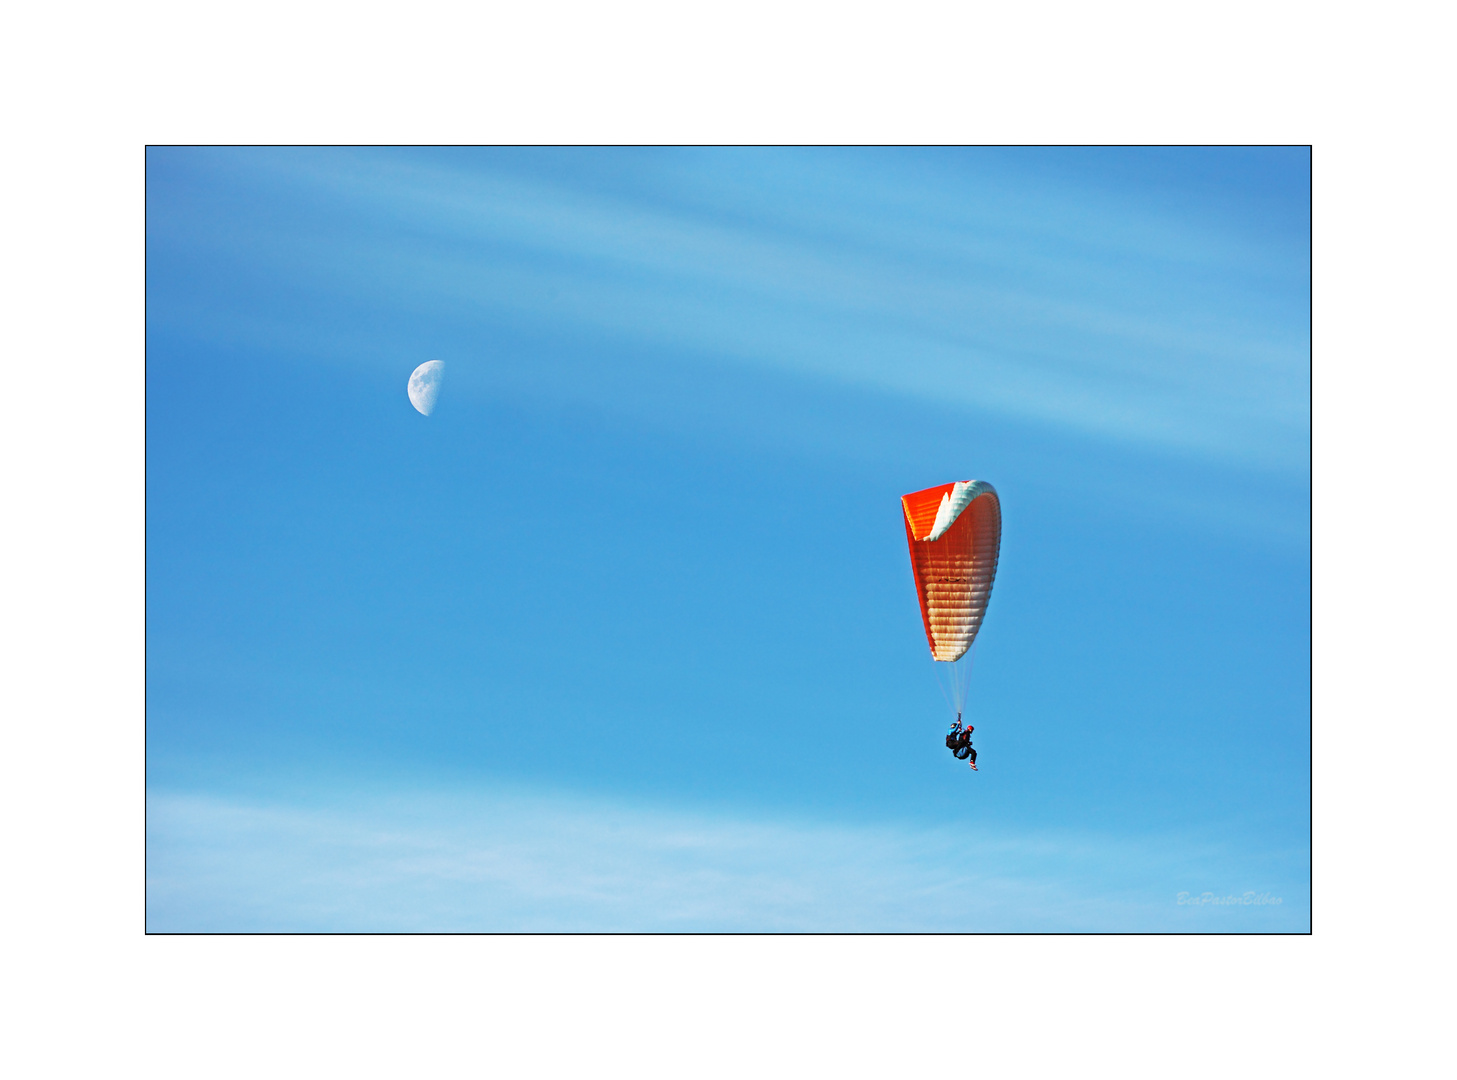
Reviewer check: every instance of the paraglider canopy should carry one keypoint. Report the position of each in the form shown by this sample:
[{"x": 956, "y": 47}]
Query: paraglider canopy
[{"x": 955, "y": 536}]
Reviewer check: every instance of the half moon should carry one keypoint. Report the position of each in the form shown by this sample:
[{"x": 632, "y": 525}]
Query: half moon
[{"x": 424, "y": 385}]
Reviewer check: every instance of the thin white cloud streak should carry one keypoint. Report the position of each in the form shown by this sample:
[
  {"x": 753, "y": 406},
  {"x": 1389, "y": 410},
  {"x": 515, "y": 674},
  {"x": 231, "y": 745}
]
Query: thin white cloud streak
[
  {"x": 1094, "y": 317},
  {"x": 532, "y": 862}
]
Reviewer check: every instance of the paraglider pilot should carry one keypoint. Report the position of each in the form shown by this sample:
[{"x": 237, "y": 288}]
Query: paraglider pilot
[{"x": 958, "y": 741}]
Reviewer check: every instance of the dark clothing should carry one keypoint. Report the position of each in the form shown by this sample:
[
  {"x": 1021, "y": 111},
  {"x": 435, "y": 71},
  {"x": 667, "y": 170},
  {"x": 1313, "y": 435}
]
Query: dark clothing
[{"x": 958, "y": 741}]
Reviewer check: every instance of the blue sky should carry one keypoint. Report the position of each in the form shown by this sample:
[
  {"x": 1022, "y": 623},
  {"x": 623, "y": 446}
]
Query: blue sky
[{"x": 624, "y": 637}]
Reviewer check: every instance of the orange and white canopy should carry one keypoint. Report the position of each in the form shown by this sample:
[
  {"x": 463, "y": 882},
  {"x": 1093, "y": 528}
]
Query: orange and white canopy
[{"x": 955, "y": 535}]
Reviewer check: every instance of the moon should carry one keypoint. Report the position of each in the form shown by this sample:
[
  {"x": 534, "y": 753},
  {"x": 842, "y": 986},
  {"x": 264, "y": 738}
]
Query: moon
[{"x": 424, "y": 385}]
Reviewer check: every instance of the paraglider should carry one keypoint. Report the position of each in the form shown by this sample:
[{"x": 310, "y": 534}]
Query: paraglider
[
  {"x": 955, "y": 536},
  {"x": 958, "y": 741}
]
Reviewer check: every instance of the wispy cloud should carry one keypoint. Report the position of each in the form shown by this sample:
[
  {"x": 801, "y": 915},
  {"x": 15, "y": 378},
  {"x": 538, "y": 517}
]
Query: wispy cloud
[
  {"x": 524, "y": 861},
  {"x": 1054, "y": 306}
]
